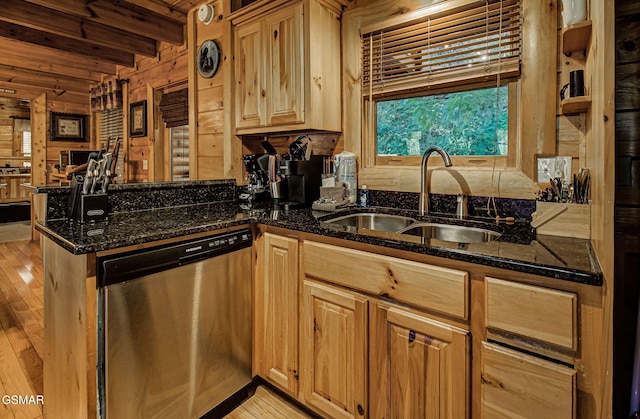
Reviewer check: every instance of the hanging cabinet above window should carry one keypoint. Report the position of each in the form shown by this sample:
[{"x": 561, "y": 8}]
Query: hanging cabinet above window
[{"x": 287, "y": 66}]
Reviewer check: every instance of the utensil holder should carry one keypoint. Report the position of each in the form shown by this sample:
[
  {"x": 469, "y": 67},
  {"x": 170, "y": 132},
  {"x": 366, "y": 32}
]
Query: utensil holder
[{"x": 563, "y": 219}]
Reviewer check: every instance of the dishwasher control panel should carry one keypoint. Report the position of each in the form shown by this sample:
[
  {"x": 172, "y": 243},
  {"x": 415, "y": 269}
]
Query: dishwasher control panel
[{"x": 131, "y": 265}]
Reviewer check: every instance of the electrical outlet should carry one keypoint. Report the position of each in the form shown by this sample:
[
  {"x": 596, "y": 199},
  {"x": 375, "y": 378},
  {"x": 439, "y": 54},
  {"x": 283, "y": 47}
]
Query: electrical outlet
[
  {"x": 145, "y": 164},
  {"x": 554, "y": 167}
]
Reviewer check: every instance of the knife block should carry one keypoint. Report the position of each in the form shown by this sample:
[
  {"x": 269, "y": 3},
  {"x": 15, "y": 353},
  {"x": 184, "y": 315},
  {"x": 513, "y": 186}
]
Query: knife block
[{"x": 92, "y": 208}]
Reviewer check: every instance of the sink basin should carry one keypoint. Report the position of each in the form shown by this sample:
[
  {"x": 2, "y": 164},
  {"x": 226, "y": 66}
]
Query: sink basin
[
  {"x": 450, "y": 233},
  {"x": 371, "y": 221}
]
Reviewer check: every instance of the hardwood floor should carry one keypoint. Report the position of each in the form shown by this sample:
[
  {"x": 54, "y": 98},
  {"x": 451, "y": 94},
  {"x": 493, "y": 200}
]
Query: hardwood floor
[
  {"x": 266, "y": 404},
  {"x": 21, "y": 330}
]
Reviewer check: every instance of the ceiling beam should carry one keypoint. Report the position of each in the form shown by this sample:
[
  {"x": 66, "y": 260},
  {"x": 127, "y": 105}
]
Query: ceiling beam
[
  {"x": 110, "y": 13},
  {"x": 37, "y": 58},
  {"x": 44, "y": 19},
  {"x": 42, "y": 80},
  {"x": 18, "y": 91},
  {"x": 159, "y": 8},
  {"x": 36, "y": 37}
]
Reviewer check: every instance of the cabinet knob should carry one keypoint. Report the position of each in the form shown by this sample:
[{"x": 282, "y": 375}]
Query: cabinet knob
[
  {"x": 263, "y": 93},
  {"x": 360, "y": 410},
  {"x": 275, "y": 34}
]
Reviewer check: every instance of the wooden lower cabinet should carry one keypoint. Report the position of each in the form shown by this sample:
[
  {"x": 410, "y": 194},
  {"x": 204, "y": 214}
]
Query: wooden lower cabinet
[
  {"x": 333, "y": 351},
  {"x": 276, "y": 311},
  {"x": 518, "y": 385},
  {"x": 419, "y": 368}
]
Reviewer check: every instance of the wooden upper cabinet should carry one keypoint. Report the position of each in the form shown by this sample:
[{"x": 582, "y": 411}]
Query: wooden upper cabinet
[
  {"x": 276, "y": 311},
  {"x": 285, "y": 100},
  {"x": 287, "y": 67},
  {"x": 249, "y": 87},
  {"x": 419, "y": 367},
  {"x": 333, "y": 351}
]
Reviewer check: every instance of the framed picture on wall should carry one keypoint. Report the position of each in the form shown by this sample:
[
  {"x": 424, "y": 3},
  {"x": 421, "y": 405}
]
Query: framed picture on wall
[
  {"x": 68, "y": 127},
  {"x": 138, "y": 119}
]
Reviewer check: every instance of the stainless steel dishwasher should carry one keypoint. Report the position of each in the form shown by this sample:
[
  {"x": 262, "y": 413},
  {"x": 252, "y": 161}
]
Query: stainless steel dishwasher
[{"x": 174, "y": 327}]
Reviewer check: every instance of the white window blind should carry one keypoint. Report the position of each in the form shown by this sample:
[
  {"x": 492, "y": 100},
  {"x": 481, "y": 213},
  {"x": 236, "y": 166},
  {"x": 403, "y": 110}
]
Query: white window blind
[
  {"x": 26, "y": 143},
  {"x": 451, "y": 43},
  {"x": 110, "y": 130},
  {"x": 180, "y": 152}
]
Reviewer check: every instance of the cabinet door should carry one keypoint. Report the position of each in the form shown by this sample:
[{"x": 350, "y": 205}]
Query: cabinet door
[
  {"x": 419, "y": 367},
  {"x": 285, "y": 93},
  {"x": 249, "y": 73},
  {"x": 517, "y": 385},
  {"x": 276, "y": 311},
  {"x": 333, "y": 351}
]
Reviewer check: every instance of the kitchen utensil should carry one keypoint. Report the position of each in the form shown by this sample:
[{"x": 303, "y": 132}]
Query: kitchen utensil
[
  {"x": 263, "y": 163},
  {"x": 88, "y": 178},
  {"x": 585, "y": 189},
  {"x": 270, "y": 149},
  {"x": 274, "y": 164},
  {"x": 300, "y": 149},
  {"x": 107, "y": 172}
]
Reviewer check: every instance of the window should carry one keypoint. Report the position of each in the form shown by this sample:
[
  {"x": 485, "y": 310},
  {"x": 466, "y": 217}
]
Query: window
[
  {"x": 174, "y": 108},
  {"x": 26, "y": 143},
  {"x": 179, "y": 152},
  {"x": 442, "y": 75},
  {"x": 467, "y": 123}
]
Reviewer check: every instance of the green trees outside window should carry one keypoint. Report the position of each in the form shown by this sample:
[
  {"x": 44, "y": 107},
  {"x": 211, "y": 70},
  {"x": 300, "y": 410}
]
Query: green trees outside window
[{"x": 463, "y": 123}]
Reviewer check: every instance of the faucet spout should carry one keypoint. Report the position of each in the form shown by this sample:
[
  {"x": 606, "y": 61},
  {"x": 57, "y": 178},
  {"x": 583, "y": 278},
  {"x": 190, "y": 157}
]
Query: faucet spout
[{"x": 424, "y": 185}]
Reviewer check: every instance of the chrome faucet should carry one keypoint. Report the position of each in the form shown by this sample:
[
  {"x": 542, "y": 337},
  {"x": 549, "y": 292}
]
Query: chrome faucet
[{"x": 424, "y": 189}]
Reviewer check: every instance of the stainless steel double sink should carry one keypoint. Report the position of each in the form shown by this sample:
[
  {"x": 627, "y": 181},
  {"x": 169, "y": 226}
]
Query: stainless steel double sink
[{"x": 408, "y": 226}]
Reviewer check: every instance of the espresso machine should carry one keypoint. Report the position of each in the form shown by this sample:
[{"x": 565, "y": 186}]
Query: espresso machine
[
  {"x": 303, "y": 179},
  {"x": 257, "y": 188}
]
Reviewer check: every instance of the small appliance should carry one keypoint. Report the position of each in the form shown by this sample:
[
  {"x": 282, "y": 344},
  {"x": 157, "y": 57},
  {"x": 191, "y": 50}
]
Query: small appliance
[
  {"x": 258, "y": 187},
  {"x": 303, "y": 179}
]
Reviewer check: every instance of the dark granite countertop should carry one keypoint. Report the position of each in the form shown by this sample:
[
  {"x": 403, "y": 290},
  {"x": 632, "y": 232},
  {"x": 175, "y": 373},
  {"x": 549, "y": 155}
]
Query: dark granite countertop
[{"x": 518, "y": 249}]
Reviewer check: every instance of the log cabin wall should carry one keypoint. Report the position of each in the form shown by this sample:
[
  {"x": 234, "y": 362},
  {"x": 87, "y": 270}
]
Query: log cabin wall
[
  {"x": 627, "y": 202},
  {"x": 144, "y": 156},
  {"x": 46, "y": 152},
  {"x": 10, "y": 139},
  {"x": 216, "y": 152}
]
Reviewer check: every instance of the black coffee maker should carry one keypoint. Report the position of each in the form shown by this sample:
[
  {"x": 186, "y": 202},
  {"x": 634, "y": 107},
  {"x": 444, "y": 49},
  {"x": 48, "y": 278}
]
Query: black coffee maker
[
  {"x": 303, "y": 179},
  {"x": 258, "y": 187}
]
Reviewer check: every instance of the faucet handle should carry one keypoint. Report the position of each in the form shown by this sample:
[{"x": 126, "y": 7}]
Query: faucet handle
[{"x": 462, "y": 209}]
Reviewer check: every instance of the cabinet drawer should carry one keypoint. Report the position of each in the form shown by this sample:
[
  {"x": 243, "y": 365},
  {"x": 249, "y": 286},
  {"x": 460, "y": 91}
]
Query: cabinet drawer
[
  {"x": 536, "y": 312},
  {"x": 520, "y": 385},
  {"x": 427, "y": 286}
]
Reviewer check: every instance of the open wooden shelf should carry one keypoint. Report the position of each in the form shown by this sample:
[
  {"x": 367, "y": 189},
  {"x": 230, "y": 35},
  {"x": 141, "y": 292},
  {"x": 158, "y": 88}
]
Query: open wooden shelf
[
  {"x": 576, "y": 37},
  {"x": 574, "y": 105}
]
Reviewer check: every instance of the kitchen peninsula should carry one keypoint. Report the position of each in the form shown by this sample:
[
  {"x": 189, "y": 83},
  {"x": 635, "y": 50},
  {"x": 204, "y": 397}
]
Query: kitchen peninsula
[{"x": 532, "y": 294}]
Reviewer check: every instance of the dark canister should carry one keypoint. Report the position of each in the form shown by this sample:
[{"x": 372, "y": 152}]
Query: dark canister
[{"x": 576, "y": 83}]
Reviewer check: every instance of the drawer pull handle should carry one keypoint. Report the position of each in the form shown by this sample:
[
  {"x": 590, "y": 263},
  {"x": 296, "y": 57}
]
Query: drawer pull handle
[{"x": 412, "y": 336}]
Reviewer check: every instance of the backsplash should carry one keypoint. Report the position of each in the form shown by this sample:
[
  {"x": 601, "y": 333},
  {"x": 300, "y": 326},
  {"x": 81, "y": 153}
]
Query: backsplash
[
  {"x": 520, "y": 209},
  {"x": 143, "y": 196}
]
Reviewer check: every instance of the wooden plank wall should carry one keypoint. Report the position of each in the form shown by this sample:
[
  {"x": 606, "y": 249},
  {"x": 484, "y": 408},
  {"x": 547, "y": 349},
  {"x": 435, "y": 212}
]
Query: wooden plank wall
[
  {"x": 6, "y": 137},
  {"x": 168, "y": 68},
  {"x": 627, "y": 201},
  {"x": 209, "y": 135},
  {"x": 53, "y": 148}
]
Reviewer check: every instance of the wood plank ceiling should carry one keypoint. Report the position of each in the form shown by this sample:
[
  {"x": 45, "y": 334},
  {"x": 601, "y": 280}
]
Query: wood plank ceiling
[{"x": 63, "y": 46}]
